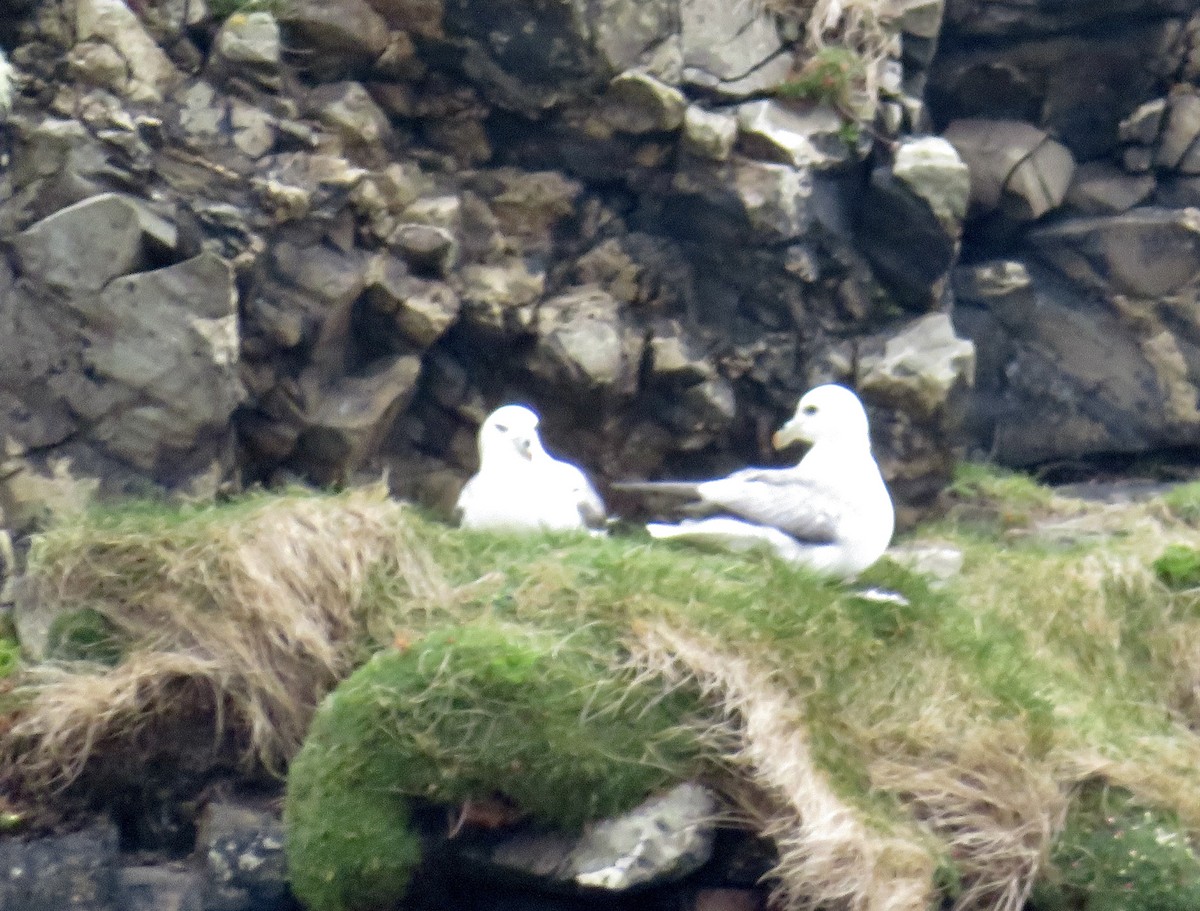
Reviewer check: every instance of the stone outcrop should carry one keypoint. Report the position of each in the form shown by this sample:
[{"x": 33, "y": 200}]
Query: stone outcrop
[{"x": 323, "y": 241}]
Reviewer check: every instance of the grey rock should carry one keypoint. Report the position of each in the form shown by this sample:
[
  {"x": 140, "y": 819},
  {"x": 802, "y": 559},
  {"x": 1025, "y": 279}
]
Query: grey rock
[
  {"x": 1013, "y": 165},
  {"x": 1077, "y": 87},
  {"x": 250, "y": 40},
  {"x": 802, "y": 137},
  {"x": 939, "y": 563},
  {"x": 422, "y": 310},
  {"x": 348, "y": 110},
  {"x": 159, "y": 888},
  {"x": 1137, "y": 159},
  {"x": 1068, "y": 370},
  {"x": 253, "y": 128},
  {"x": 84, "y": 246},
  {"x": 1144, "y": 124},
  {"x": 661, "y": 841},
  {"x": 931, "y": 168},
  {"x": 167, "y": 344},
  {"x": 349, "y": 28},
  {"x": 100, "y": 64},
  {"x": 709, "y": 134},
  {"x": 530, "y": 57},
  {"x": 498, "y": 298},
  {"x": 1145, "y": 253},
  {"x": 427, "y": 249},
  {"x": 1179, "y": 134},
  {"x": 150, "y": 73},
  {"x": 636, "y": 102},
  {"x": 60, "y": 871},
  {"x": 774, "y": 198},
  {"x": 922, "y": 366},
  {"x": 241, "y": 847},
  {"x": 733, "y": 49},
  {"x": 580, "y": 342},
  {"x": 919, "y": 18},
  {"x": 1100, "y": 188},
  {"x": 346, "y": 418},
  {"x": 912, "y": 221}
]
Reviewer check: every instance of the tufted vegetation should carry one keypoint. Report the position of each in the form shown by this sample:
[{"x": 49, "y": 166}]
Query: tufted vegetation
[{"x": 967, "y": 743}]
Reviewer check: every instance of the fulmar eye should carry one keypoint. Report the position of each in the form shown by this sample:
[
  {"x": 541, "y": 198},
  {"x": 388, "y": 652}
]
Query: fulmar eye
[
  {"x": 501, "y": 428},
  {"x": 810, "y": 409}
]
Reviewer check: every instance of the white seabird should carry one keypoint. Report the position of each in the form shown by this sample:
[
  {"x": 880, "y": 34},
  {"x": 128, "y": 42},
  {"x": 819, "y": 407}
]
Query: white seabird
[
  {"x": 832, "y": 512},
  {"x": 520, "y": 486}
]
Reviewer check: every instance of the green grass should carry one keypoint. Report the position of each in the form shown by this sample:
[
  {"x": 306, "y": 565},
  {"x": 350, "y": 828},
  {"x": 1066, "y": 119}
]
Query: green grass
[
  {"x": 957, "y": 728},
  {"x": 1184, "y": 502},
  {"x": 1115, "y": 855}
]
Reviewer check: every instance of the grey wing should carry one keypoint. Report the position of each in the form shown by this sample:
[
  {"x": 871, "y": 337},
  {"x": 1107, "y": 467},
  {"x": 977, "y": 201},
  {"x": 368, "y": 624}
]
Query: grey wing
[{"x": 780, "y": 499}]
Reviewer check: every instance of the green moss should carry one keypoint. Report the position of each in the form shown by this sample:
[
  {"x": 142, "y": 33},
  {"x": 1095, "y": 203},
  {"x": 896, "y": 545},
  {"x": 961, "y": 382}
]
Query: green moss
[
  {"x": 830, "y": 76},
  {"x": 1179, "y": 566},
  {"x": 10, "y": 657},
  {"x": 468, "y": 711},
  {"x": 1115, "y": 855},
  {"x": 84, "y": 635},
  {"x": 976, "y": 481}
]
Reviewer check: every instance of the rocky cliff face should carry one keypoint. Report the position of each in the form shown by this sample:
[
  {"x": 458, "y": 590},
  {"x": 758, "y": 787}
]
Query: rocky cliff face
[{"x": 322, "y": 238}]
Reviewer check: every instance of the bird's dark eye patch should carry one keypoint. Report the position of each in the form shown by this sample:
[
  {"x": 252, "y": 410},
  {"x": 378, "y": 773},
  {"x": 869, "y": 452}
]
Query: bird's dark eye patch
[
  {"x": 810, "y": 409},
  {"x": 502, "y": 428}
]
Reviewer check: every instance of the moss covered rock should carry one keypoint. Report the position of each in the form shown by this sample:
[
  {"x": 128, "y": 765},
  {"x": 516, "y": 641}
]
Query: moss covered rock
[{"x": 467, "y": 712}]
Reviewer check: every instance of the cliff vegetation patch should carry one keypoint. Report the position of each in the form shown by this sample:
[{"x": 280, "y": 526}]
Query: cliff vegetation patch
[{"x": 980, "y": 740}]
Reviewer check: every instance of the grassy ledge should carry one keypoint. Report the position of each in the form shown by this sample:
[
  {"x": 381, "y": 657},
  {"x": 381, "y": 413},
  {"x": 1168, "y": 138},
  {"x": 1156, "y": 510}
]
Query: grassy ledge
[{"x": 996, "y": 738}]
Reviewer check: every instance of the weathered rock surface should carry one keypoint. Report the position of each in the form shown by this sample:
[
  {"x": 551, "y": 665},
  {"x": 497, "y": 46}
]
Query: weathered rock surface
[{"x": 663, "y": 840}]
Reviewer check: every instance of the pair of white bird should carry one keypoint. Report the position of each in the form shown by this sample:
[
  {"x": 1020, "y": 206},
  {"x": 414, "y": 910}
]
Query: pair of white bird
[{"x": 831, "y": 512}]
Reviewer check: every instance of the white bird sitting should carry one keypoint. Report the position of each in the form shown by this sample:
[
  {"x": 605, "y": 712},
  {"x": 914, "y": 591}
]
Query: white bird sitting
[
  {"x": 832, "y": 512},
  {"x": 520, "y": 486}
]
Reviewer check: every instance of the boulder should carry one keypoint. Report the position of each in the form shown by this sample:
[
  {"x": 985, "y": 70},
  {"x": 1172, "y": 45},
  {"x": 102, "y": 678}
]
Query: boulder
[
  {"x": 911, "y": 220},
  {"x": 580, "y": 343},
  {"x": 1070, "y": 370},
  {"x": 1100, "y": 188},
  {"x": 250, "y": 41},
  {"x": 1015, "y": 167},
  {"x": 1178, "y": 137},
  {"x": 241, "y": 849},
  {"x": 732, "y": 49},
  {"x": 532, "y": 57},
  {"x": 1144, "y": 253},
  {"x": 709, "y": 134},
  {"x": 636, "y": 102},
  {"x": 348, "y": 29},
  {"x": 84, "y": 246},
  {"x": 802, "y": 135},
  {"x": 921, "y": 367},
  {"x": 62, "y": 871},
  {"x": 663, "y": 840},
  {"x": 150, "y": 75}
]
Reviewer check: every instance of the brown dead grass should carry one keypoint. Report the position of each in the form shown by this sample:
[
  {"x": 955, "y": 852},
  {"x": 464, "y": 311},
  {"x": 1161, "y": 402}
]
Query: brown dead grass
[
  {"x": 829, "y": 854},
  {"x": 997, "y": 807},
  {"x": 261, "y": 612}
]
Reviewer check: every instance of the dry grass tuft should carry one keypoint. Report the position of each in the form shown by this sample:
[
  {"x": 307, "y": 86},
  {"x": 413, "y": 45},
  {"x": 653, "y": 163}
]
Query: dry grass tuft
[
  {"x": 829, "y": 855},
  {"x": 995, "y": 806},
  {"x": 256, "y": 613}
]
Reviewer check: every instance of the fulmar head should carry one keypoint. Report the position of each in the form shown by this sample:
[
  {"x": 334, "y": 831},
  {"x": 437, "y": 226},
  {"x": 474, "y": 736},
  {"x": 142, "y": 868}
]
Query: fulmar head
[
  {"x": 825, "y": 413},
  {"x": 509, "y": 432}
]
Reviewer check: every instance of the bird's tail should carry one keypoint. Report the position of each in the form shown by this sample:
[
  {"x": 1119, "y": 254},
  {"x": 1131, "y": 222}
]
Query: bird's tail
[{"x": 669, "y": 488}]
